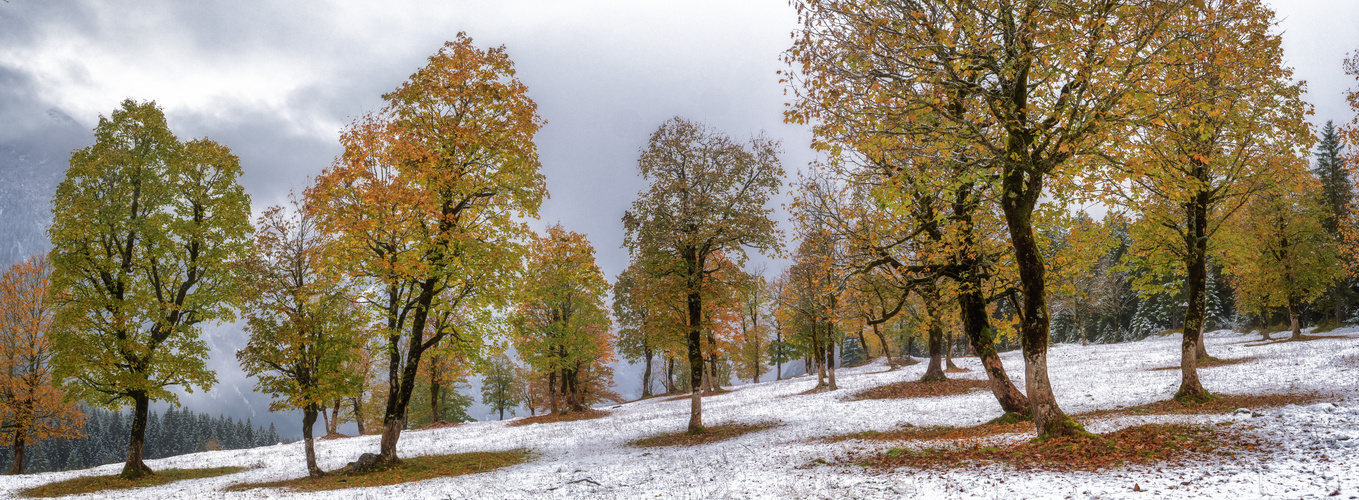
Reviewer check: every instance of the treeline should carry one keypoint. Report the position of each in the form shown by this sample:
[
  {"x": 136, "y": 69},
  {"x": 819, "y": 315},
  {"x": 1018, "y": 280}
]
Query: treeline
[{"x": 104, "y": 439}]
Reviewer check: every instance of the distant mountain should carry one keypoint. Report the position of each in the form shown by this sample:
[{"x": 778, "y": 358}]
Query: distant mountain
[{"x": 28, "y": 179}]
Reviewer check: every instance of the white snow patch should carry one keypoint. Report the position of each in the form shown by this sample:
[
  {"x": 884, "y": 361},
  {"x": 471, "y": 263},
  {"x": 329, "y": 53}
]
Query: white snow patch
[{"x": 1318, "y": 452}]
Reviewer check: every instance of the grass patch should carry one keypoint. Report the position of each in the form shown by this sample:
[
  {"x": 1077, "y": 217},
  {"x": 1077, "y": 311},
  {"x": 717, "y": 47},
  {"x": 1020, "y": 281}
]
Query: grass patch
[
  {"x": 910, "y": 432},
  {"x": 1222, "y": 403},
  {"x": 1211, "y": 362},
  {"x": 711, "y": 434},
  {"x": 1143, "y": 444},
  {"x": 561, "y": 416},
  {"x": 1289, "y": 338},
  {"x": 704, "y": 394},
  {"x": 406, "y": 471},
  {"x": 918, "y": 389},
  {"x": 956, "y": 369},
  {"x": 96, "y": 484}
]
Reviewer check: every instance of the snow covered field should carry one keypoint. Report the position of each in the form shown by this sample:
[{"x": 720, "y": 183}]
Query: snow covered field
[{"x": 1318, "y": 452}]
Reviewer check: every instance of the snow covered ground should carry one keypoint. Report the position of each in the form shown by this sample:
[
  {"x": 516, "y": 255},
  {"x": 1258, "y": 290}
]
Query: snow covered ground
[{"x": 1318, "y": 450}]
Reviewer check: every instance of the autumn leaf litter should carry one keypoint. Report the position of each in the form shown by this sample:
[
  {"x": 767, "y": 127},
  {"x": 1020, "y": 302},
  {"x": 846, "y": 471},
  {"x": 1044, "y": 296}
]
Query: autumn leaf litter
[{"x": 1309, "y": 450}]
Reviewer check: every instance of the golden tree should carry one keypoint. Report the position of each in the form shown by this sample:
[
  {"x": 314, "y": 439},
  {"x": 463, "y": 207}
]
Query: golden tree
[
  {"x": 305, "y": 325},
  {"x": 562, "y": 328},
  {"x": 426, "y": 205},
  {"x": 1015, "y": 96},
  {"x": 31, "y": 408},
  {"x": 1231, "y": 124}
]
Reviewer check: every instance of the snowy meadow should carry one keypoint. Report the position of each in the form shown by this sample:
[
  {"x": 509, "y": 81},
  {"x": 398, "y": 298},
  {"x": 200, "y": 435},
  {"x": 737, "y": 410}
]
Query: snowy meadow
[{"x": 1311, "y": 451}]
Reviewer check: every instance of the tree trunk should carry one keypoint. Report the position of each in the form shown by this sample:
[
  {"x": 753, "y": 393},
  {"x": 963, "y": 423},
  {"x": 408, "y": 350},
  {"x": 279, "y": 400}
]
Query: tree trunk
[
  {"x": 695, "y": 303},
  {"x": 334, "y": 418},
  {"x": 886, "y": 350},
  {"x": 309, "y": 420},
  {"x": 434, "y": 394},
  {"x": 1196, "y": 282},
  {"x": 714, "y": 384},
  {"x": 670, "y": 375},
  {"x": 830, "y": 359},
  {"x": 863, "y": 342},
  {"x": 948, "y": 359},
  {"x": 646, "y": 375},
  {"x": 977, "y": 327},
  {"x": 1019, "y": 194},
  {"x": 358, "y": 412},
  {"x": 819, "y": 361},
  {"x": 910, "y": 348},
  {"x": 552, "y": 390},
  {"x": 1293, "y": 317},
  {"x": 935, "y": 371},
  {"x": 134, "y": 468},
  {"x": 19, "y": 445}
]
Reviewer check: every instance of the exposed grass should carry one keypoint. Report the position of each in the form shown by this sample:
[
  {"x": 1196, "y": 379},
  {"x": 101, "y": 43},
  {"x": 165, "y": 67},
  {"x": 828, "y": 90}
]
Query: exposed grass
[
  {"x": 956, "y": 369},
  {"x": 1221, "y": 403},
  {"x": 1143, "y": 444},
  {"x": 96, "y": 484},
  {"x": 561, "y": 416},
  {"x": 710, "y": 434},
  {"x": 1289, "y": 338},
  {"x": 439, "y": 425},
  {"x": 406, "y": 471},
  {"x": 1211, "y": 362},
  {"x": 936, "y": 432},
  {"x": 704, "y": 394},
  {"x": 918, "y": 389}
]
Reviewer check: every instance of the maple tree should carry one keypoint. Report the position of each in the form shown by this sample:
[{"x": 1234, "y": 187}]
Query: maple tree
[
  {"x": 498, "y": 387},
  {"x": 1232, "y": 123},
  {"x": 649, "y": 312},
  {"x": 1015, "y": 95},
  {"x": 906, "y": 219},
  {"x": 303, "y": 320},
  {"x": 1280, "y": 252},
  {"x": 31, "y": 407},
  {"x": 147, "y": 233},
  {"x": 753, "y": 341},
  {"x": 562, "y": 327},
  {"x": 426, "y": 204},
  {"x": 707, "y": 197}
]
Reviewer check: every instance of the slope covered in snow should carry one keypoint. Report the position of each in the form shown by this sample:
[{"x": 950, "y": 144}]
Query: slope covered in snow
[{"x": 1317, "y": 453}]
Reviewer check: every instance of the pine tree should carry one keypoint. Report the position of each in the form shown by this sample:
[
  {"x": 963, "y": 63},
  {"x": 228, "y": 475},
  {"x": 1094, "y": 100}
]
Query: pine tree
[{"x": 1337, "y": 194}]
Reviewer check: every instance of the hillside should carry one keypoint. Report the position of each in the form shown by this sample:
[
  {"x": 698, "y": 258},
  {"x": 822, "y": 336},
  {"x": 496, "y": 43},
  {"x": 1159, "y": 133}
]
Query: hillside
[{"x": 1310, "y": 450}]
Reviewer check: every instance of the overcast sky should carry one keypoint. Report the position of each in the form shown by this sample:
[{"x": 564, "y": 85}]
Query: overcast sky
[{"x": 276, "y": 81}]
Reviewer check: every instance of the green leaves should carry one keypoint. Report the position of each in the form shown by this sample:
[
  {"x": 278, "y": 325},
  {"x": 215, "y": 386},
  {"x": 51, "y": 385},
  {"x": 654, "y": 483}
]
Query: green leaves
[{"x": 148, "y": 233}]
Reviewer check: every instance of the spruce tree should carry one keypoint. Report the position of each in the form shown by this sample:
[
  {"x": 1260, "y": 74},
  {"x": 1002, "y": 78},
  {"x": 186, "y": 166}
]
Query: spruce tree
[{"x": 1337, "y": 192}]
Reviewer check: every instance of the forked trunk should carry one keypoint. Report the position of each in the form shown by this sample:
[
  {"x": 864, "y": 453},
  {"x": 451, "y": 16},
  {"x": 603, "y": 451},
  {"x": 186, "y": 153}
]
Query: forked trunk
[
  {"x": 134, "y": 467},
  {"x": 977, "y": 327},
  {"x": 1019, "y": 195}
]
